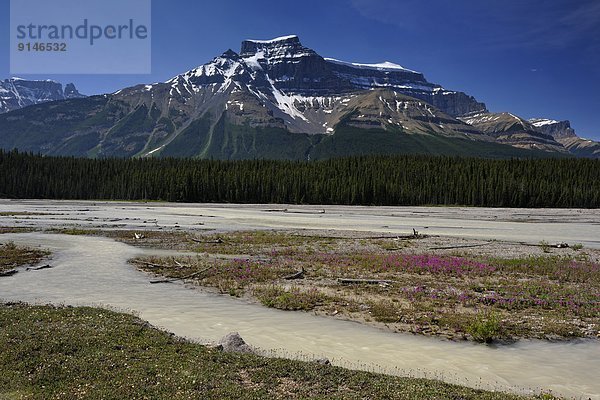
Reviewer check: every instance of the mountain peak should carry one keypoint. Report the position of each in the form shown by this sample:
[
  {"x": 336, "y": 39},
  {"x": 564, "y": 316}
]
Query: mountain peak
[
  {"x": 557, "y": 129},
  {"x": 230, "y": 54},
  {"x": 288, "y": 38},
  {"x": 71, "y": 92},
  {"x": 283, "y": 46}
]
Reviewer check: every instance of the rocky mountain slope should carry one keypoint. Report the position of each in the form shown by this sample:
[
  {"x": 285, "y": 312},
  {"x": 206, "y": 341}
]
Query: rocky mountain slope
[
  {"x": 510, "y": 129},
  {"x": 274, "y": 99},
  {"x": 562, "y": 132},
  {"x": 17, "y": 93}
]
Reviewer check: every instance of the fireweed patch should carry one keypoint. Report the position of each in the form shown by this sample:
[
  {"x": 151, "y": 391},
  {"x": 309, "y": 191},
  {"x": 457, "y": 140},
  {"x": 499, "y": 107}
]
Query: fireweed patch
[{"x": 541, "y": 296}]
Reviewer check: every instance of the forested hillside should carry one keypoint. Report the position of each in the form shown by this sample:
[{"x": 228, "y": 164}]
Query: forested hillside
[{"x": 369, "y": 180}]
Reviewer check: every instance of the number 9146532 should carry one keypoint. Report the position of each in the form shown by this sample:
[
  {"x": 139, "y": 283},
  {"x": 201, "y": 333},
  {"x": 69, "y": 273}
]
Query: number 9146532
[{"x": 37, "y": 46}]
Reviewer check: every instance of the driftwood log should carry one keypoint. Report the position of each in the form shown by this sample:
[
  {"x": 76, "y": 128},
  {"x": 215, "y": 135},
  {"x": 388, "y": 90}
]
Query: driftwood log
[
  {"x": 347, "y": 281},
  {"x": 296, "y": 275},
  {"x": 183, "y": 277},
  {"x": 47, "y": 266},
  {"x": 464, "y": 246},
  {"x": 152, "y": 265},
  {"x": 216, "y": 241},
  {"x": 553, "y": 246},
  {"x": 10, "y": 272}
]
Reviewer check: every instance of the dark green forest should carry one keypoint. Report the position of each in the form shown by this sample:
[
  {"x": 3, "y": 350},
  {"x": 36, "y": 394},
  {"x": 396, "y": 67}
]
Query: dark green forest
[{"x": 368, "y": 180}]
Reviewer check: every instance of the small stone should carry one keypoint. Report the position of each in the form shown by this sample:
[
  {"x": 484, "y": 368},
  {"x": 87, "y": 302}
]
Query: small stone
[{"x": 323, "y": 361}]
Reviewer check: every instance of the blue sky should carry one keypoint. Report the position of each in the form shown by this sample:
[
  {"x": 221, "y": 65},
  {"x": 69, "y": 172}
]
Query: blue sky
[{"x": 533, "y": 58}]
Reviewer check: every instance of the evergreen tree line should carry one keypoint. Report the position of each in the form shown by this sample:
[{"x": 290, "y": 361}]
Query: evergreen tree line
[{"x": 368, "y": 180}]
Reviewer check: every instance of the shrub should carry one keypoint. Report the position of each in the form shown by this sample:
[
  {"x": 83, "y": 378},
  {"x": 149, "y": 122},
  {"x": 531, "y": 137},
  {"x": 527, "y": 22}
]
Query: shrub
[{"x": 485, "y": 327}]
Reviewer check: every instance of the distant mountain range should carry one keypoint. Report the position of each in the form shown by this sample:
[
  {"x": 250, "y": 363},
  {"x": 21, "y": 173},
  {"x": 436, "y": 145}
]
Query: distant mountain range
[
  {"x": 274, "y": 99},
  {"x": 17, "y": 93}
]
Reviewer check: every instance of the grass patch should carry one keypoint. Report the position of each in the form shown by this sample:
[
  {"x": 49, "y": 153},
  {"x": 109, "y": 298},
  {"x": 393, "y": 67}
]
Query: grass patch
[
  {"x": 13, "y": 256},
  {"x": 20, "y": 213},
  {"x": 291, "y": 299},
  {"x": 14, "y": 229},
  {"x": 258, "y": 242},
  {"x": 87, "y": 353}
]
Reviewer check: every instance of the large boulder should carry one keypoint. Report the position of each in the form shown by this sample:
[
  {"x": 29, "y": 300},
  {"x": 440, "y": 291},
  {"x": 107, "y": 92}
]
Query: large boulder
[{"x": 233, "y": 343}]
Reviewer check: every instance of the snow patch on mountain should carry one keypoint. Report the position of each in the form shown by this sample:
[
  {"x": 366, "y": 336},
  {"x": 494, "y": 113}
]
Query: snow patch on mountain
[
  {"x": 539, "y": 122},
  {"x": 277, "y": 39},
  {"x": 384, "y": 66}
]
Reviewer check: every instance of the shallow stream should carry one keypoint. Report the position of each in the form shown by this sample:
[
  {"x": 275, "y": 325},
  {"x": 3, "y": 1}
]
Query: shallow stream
[{"x": 94, "y": 271}]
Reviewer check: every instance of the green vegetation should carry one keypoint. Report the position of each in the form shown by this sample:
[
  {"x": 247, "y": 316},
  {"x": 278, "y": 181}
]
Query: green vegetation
[
  {"x": 452, "y": 295},
  {"x": 289, "y": 299},
  {"x": 258, "y": 242},
  {"x": 351, "y": 141},
  {"x": 19, "y": 213},
  {"x": 369, "y": 180},
  {"x": 485, "y": 327},
  {"x": 12, "y": 256},
  {"x": 86, "y": 353},
  {"x": 237, "y": 142},
  {"x": 78, "y": 120},
  {"x": 14, "y": 229},
  {"x": 577, "y": 246}
]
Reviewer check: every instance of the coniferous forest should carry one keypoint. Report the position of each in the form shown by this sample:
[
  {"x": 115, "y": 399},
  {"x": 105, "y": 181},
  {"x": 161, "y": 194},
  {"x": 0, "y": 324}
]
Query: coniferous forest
[{"x": 369, "y": 180}]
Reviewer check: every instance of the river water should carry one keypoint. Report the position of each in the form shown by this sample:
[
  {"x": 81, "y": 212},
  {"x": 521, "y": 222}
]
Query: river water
[
  {"x": 94, "y": 271},
  {"x": 517, "y": 225}
]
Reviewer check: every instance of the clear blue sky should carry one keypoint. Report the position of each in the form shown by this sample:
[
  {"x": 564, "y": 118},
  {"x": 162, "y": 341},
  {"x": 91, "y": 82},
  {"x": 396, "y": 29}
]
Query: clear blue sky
[{"x": 534, "y": 58}]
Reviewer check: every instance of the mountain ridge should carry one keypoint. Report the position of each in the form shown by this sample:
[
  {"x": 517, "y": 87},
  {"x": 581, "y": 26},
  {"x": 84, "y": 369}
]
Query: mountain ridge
[
  {"x": 16, "y": 93},
  {"x": 274, "y": 99}
]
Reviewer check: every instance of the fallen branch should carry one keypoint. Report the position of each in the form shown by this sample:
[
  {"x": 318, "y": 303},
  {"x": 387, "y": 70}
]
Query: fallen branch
[
  {"x": 347, "y": 281},
  {"x": 553, "y": 246},
  {"x": 180, "y": 265},
  {"x": 216, "y": 241},
  {"x": 10, "y": 272},
  {"x": 183, "y": 277},
  {"x": 466, "y": 246},
  {"x": 297, "y": 275},
  {"x": 47, "y": 266},
  {"x": 152, "y": 265}
]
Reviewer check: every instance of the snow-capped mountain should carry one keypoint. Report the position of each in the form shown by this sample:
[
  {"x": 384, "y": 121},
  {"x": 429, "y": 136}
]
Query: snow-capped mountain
[
  {"x": 299, "y": 81},
  {"x": 17, "y": 93},
  {"x": 272, "y": 99},
  {"x": 562, "y": 132}
]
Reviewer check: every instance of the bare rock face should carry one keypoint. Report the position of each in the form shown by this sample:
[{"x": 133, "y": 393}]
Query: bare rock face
[
  {"x": 510, "y": 129},
  {"x": 294, "y": 68},
  {"x": 17, "y": 93},
  {"x": 556, "y": 129},
  {"x": 233, "y": 343},
  {"x": 71, "y": 92},
  {"x": 562, "y": 132}
]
